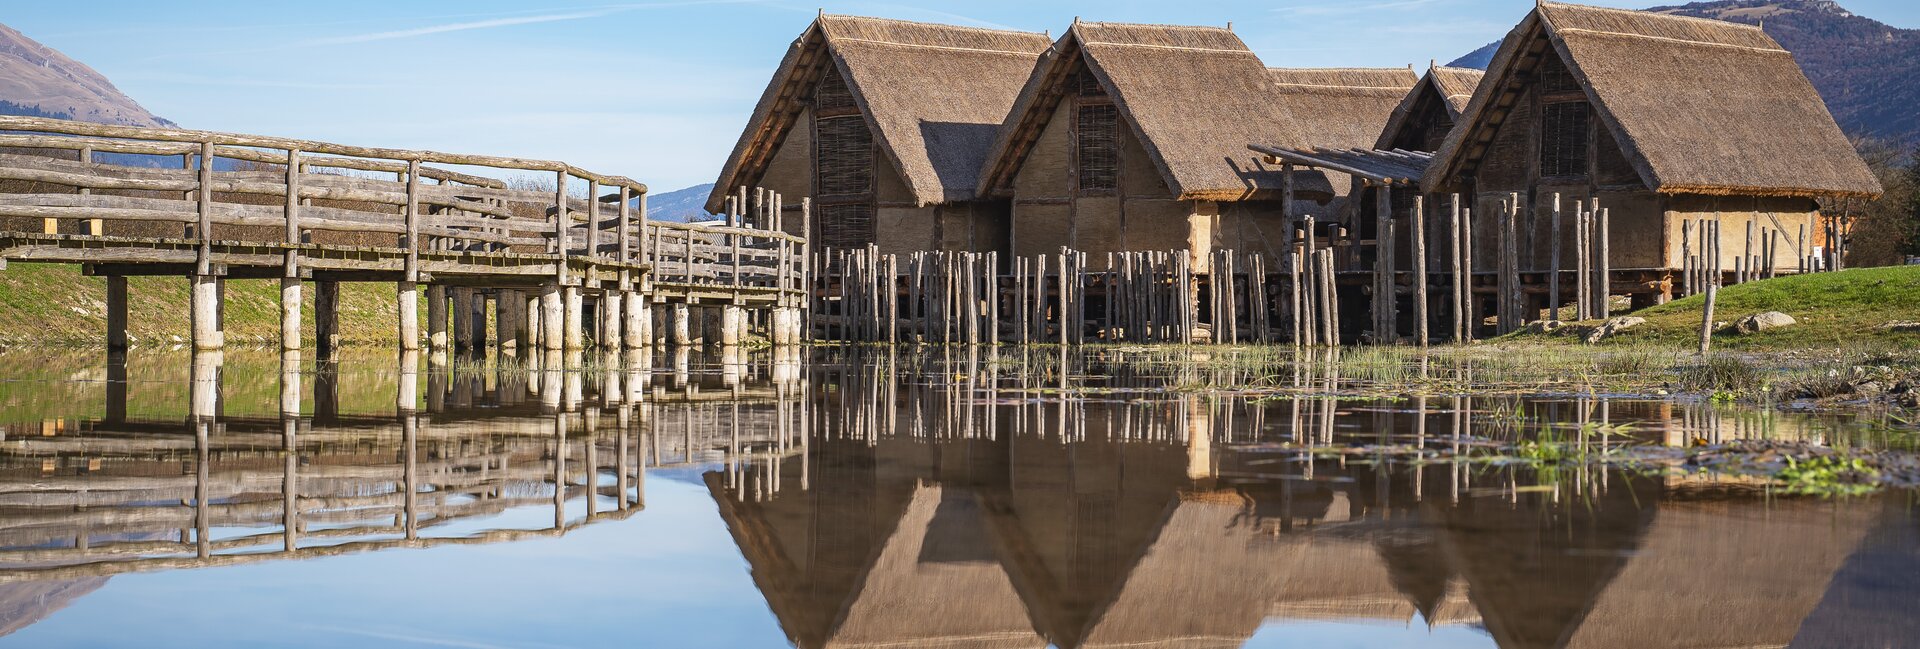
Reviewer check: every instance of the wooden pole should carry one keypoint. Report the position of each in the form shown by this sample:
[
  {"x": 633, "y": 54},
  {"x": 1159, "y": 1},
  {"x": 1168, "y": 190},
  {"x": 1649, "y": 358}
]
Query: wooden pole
[
  {"x": 1459, "y": 270},
  {"x": 1603, "y": 274},
  {"x": 1583, "y": 302},
  {"x": 1713, "y": 290},
  {"x": 1553, "y": 274},
  {"x": 1419, "y": 230}
]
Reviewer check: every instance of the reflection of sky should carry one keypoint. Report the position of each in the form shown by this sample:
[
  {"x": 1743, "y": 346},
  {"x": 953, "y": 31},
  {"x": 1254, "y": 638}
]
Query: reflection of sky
[
  {"x": 1366, "y": 635},
  {"x": 669, "y": 576}
]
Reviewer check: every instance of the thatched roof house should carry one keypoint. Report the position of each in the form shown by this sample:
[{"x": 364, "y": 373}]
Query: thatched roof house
[
  {"x": 1427, "y": 113},
  {"x": 1133, "y": 137},
  {"x": 1340, "y": 107},
  {"x": 1662, "y": 119},
  {"x": 885, "y": 124}
]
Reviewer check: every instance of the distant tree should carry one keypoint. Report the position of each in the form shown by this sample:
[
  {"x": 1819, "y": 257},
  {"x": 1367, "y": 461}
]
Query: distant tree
[{"x": 1888, "y": 230}]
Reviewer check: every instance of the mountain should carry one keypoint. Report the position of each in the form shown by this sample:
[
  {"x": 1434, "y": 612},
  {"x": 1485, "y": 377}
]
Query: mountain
[
  {"x": 39, "y": 81},
  {"x": 680, "y": 205},
  {"x": 1867, "y": 71}
]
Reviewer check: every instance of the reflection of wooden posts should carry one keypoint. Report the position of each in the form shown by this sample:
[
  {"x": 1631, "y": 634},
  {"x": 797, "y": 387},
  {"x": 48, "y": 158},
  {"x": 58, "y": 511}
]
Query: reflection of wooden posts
[
  {"x": 1419, "y": 230},
  {"x": 116, "y": 386},
  {"x": 202, "y": 474},
  {"x": 117, "y": 312},
  {"x": 410, "y": 473}
]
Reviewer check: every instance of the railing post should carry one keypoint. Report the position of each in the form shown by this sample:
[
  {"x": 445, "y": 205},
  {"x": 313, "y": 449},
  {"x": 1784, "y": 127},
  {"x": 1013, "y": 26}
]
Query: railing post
[
  {"x": 409, "y": 287},
  {"x": 290, "y": 278},
  {"x": 95, "y": 227},
  {"x": 207, "y": 292}
]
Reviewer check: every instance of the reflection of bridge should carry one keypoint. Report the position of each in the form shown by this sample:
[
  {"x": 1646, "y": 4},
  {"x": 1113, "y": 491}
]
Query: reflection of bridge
[
  {"x": 212, "y": 206},
  {"x": 97, "y": 498}
]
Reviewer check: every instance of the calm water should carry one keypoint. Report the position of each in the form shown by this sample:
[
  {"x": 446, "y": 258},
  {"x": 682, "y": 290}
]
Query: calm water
[{"x": 870, "y": 500}]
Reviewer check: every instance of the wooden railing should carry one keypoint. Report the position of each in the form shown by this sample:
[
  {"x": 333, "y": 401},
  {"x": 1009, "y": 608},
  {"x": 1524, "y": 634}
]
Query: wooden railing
[{"x": 86, "y": 179}]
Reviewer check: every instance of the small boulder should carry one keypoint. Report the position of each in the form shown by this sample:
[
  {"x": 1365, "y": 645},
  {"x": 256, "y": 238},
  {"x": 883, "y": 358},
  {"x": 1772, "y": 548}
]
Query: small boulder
[
  {"x": 1759, "y": 322},
  {"x": 1613, "y": 326},
  {"x": 1543, "y": 326},
  {"x": 1901, "y": 326}
]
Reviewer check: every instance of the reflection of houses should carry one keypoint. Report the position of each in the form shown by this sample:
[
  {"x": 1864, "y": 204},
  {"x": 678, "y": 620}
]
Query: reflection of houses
[
  {"x": 885, "y": 123},
  {"x": 1105, "y": 525}
]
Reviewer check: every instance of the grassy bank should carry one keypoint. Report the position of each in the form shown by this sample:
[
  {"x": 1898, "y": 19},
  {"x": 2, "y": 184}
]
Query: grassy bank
[
  {"x": 55, "y": 304},
  {"x": 1836, "y": 311}
]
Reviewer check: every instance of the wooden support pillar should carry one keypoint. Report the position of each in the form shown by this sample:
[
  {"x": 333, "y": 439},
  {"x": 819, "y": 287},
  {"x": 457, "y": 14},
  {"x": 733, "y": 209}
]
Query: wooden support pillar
[
  {"x": 680, "y": 324},
  {"x": 116, "y": 312},
  {"x": 733, "y": 325},
  {"x": 505, "y": 317},
  {"x": 553, "y": 335},
  {"x": 530, "y": 335},
  {"x": 437, "y": 317},
  {"x": 478, "y": 316},
  {"x": 409, "y": 303},
  {"x": 636, "y": 329},
  {"x": 326, "y": 317},
  {"x": 289, "y": 313},
  {"x": 612, "y": 319},
  {"x": 575, "y": 323},
  {"x": 463, "y": 338},
  {"x": 207, "y": 334}
]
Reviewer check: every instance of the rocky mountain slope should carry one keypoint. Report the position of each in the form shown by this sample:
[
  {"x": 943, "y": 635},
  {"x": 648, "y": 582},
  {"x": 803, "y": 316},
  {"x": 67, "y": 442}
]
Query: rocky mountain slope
[{"x": 39, "y": 81}]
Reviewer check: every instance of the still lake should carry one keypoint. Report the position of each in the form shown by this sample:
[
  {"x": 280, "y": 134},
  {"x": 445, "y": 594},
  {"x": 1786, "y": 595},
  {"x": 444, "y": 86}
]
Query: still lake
[{"x": 867, "y": 498}]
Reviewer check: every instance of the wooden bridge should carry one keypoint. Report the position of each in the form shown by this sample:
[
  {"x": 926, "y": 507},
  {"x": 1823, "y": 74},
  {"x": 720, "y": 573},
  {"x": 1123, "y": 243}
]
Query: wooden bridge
[{"x": 547, "y": 244}]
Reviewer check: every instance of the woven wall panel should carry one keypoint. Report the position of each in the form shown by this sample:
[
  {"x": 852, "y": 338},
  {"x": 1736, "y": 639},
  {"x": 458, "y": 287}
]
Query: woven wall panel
[
  {"x": 845, "y": 226},
  {"x": 844, "y": 147},
  {"x": 1097, "y": 141},
  {"x": 831, "y": 92},
  {"x": 1564, "y": 128}
]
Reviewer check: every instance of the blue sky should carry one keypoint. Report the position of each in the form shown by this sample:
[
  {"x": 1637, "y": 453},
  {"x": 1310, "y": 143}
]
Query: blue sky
[{"x": 654, "y": 91}]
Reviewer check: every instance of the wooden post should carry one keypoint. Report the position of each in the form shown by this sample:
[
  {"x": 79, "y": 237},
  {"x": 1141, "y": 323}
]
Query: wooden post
[
  {"x": 1743, "y": 272},
  {"x": 326, "y": 317},
  {"x": 1419, "y": 230},
  {"x": 1603, "y": 272},
  {"x": 1459, "y": 275},
  {"x": 553, "y": 334},
  {"x": 1686, "y": 257},
  {"x": 1471, "y": 308},
  {"x": 1713, "y": 290},
  {"x": 409, "y": 293},
  {"x": 117, "y": 312},
  {"x": 290, "y": 264},
  {"x": 1583, "y": 301},
  {"x": 561, "y": 223},
  {"x": 1553, "y": 273}
]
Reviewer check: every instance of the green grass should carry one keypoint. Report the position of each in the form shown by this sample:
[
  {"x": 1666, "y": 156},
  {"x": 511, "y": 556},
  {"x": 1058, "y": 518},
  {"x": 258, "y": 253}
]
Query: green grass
[
  {"x": 1834, "y": 310},
  {"x": 55, "y": 304}
]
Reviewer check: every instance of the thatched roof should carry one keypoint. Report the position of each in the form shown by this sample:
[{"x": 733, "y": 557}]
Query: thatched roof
[
  {"x": 1450, "y": 87},
  {"x": 933, "y": 95},
  {"x": 1340, "y": 108},
  {"x": 1698, "y": 106},
  {"x": 1193, "y": 96}
]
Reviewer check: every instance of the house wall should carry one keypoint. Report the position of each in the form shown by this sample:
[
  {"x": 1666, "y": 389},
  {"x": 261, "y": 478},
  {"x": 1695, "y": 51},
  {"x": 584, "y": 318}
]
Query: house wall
[
  {"x": 1780, "y": 217},
  {"x": 790, "y": 172},
  {"x": 1142, "y": 215},
  {"x": 1637, "y": 221}
]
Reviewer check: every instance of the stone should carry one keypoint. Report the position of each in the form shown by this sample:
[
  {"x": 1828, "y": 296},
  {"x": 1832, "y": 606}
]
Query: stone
[
  {"x": 1612, "y": 326},
  {"x": 1759, "y": 322},
  {"x": 1543, "y": 326},
  {"x": 1901, "y": 326}
]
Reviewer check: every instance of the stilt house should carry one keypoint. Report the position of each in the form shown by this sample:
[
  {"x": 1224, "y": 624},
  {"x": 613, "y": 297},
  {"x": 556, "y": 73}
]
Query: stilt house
[
  {"x": 1133, "y": 137},
  {"x": 1425, "y": 116},
  {"x": 1662, "y": 119},
  {"x": 885, "y": 124}
]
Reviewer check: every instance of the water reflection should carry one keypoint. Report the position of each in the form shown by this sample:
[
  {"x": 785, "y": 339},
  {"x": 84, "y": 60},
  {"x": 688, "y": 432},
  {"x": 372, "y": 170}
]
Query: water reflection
[{"x": 962, "y": 499}]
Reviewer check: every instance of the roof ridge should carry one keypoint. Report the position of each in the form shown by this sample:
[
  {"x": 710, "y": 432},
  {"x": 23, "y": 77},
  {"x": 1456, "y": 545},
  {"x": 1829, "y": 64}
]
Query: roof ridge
[
  {"x": 1637, "y": 12},
  {"x": 981, "y": 50},
  {"x": 1357, "y": 69},
  {"x": 901, "y": 21},
  {"x": 1670, "y": 39},
  {"x": 1113, "y": 24}
]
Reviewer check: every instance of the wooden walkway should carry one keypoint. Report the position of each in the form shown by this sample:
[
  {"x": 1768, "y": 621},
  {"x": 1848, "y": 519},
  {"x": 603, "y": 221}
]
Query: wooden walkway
[{"x": 544, "y": 244}]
